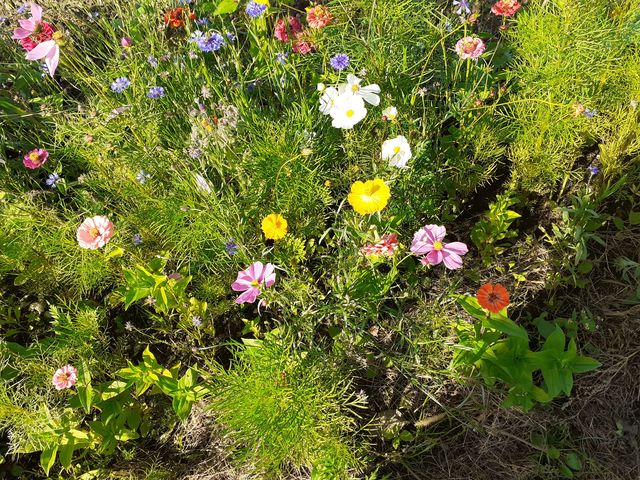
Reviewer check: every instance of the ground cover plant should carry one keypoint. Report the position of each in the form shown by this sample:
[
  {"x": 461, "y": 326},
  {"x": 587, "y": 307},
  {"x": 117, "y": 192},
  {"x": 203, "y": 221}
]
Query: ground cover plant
[{"x": 366, "y": 239}]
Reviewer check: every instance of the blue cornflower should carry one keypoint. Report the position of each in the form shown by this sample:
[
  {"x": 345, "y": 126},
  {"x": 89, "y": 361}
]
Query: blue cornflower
[
  {"x": 590, "y": 113},
  {"x": 593, "y": 170},
  {"x": 153, "y": 61},
  {"x": 137, "y": 239},
  {"x": 339, "y": 61},
  {"x": 231, "y": 247},
  {"x": 255, "y": 9},
  {"x": 21, "y": 8},
  {"x": 52, "y": 180},
  {"x": 195, "y": 36},
  {"x": 230, "y": 36},
  {"x": 156, "y": 92},
  {"x": 202, "y": 21},
  {"x": 142, "y": 177},
  {"x": 119, "y": 85},
  {"x": 212, "y": 43},
  {"x": 281, "y": 57},
  {"x": 463, "y": 6}
]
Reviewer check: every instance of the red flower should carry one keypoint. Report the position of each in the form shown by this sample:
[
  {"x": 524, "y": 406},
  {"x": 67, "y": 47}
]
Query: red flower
[
  {"x": 505, "y": 7},
  {"x": 280, "y": 31},
  {"x": 176, "y": 17},
  {"x": 43, "y": 33},
  {"x": 493, "y": 297}
]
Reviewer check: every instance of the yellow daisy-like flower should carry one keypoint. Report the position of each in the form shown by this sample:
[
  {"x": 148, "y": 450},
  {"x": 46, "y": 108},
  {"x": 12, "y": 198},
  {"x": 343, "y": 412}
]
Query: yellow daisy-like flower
[
  {"x": 274, "y": 226},
  {"x": 370, "y": 196}
]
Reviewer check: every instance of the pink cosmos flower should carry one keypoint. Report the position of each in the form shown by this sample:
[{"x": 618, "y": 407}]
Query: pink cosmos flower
[
  {"x": 35, "y": 158},
  {"x": 249, "y": 281},
  {"x": 470, "y": 47},
  {"x": 281, "y": 33},
  {"x": 505, "y": 7},
  {"x": 95, "y": 232},
  {"x": 37, "y": 38},
  {"x": 428, "y": 241},
  {"x": 386, "y": 247},
  {"x": 65, "y": 377}
]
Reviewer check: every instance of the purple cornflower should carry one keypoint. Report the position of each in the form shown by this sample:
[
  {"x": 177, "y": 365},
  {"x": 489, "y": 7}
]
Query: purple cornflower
[
  {"x": 339, "y": 61},
  {"x": 52, "y": 180},
  {"x": 202, "y": 21},
  {"x": 230, "y": 36},
  {"x": 142, "y": 177},
  {"x": 463, "y": 6},
  {"x": 255, "y": 9},
  {"x": 120, "y": 84},
  {"x": 211, "y": 43},
  {"x": 153, "y": 61},
  {"x": 137, "y": 239},
  {"x": 156, "y": 92},
  {"x": 593, "y": 170},
  {"x": 590, "y": 113},
  {"x": 231, "y": 247},
  {"x": 281, "y": 57}
]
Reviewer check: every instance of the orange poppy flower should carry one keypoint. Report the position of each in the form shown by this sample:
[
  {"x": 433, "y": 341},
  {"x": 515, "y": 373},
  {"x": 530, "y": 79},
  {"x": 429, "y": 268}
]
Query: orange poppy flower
[
  {"x": 493, "y": 297},
  {"x": 176, "y": 17}
]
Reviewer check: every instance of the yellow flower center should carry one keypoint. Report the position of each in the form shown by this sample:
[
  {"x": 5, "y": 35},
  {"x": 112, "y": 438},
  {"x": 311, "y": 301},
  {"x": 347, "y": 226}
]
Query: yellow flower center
[
  {"x": 396, "y": 150},
  {"x": 34, "y": 156},
  {"x": 255, "y": 283},
  {"x": 437, "y": 245},
  {"x": 94, "y": 232},
  {"x": 350, "y": 113},
  {"x": 355, "y": 88}
]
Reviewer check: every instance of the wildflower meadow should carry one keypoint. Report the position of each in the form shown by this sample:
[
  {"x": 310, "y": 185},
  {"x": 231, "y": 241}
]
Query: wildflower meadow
[{"x": 296, "y": 239}]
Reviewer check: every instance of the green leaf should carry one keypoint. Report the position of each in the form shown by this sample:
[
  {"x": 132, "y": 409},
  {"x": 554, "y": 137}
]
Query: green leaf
[
  {"x": 555, "y": 342},
  {"x": 116, "y": 252},
  {"x": 505, "y": 325},
  {"x": 573, "y": 461},
  {"x": 472, "y": 307},
  {"x": 84, "y": 388},
  {"x": 48, "y": 457},
  {"x": 66, "y": 451},
  {"x": 584, "y": 364},
  {"x": 225, "y": 7},
  {"x": 634, "y": 218}
]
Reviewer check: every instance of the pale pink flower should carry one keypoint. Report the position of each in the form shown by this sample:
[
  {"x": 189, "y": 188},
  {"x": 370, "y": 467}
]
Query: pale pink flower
[
  {"x": 470, "y": 47},
  {"x": 505, "y": 7},
  {"x": 35, "y": 158},
  {"x": 50, "y": 52},
  {"x": 428, "y": 241},
  {"x": 37, "y": 37},
  {"x": 386, "y": 247},
  {"x": 250, "y": 280},
  {"x": 95, "y": 232},
  {"x": 280, "y": 30},
  {"x": 319, "y": 16},
  {"x": 65, "y": 377},
  {"x": 302, "y": 47},
  {"x": 126, "y": 42}
]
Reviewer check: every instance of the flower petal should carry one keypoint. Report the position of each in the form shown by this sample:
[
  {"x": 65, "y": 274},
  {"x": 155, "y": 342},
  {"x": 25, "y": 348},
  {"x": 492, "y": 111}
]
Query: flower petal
[
  {"x": 41, "y": 51},
  {"x": 52, "y": 59},
  {"x": 452, "y": 261},
  {"x": 20, "y": 33},
  {"x": 434, "y": 257},
  {"x": 456, "y": 247},
  {"x": 249, "y": 296},
  {"x": 36, "y": 11},
  {"x": 28, "y": 24}
]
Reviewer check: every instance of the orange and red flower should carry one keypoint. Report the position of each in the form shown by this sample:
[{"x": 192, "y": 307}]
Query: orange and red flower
[
  {"x": 319, "y": 16},
  {"x": 493, "y": 297},
  {"x": 505, "y": 7},
  {"x": 176, "y": 17}
]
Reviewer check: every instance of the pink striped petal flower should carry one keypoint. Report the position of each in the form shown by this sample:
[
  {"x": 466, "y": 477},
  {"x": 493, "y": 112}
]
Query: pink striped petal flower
[
  {"x": 65, "y": 377},
  {"x": 250, "y": 281},
  {"x": 95, "y": 232},
  {"x": 428, "y": 242}
]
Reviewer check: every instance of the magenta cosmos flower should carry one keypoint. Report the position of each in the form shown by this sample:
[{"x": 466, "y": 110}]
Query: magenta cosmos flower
[
  {"x": 37, "y": 38},
  {"x": 470, "y": 47},
  {"x": 250, "y": 280},
  {"x": 428, "y": 242},
  {"x": 35, "y": 158},
  {"x": 65, "y": 377},
  {"x": 95, "y": 232}
]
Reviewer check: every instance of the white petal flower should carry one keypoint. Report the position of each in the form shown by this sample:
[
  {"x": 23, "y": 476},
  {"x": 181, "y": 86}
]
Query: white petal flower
[
  {"x": 369, "y": 93},
  {"x": 390, "y": 113},
  {"x": 327, "y": 101},
  {"x": 321, "y": 87},
  {"x": 348, "y": 110},
  {"x": 202, "y": 184},
  {"x": 397, "y": 151}
]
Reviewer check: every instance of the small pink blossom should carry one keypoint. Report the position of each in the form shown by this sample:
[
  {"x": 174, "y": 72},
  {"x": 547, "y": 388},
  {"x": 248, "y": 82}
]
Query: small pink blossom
[
  {"x": 386, "y": 247},
  {"x": 249, "y": 281},
  {"x": 302, "y": 47},
  {"x": 126, "y": 42},
  {"x": 95, "y": 232},
  {"x": 470, "y": 47},
  {"x": 506, "y": 8},
  {"x": 428, "y": 242},
  {"x": 65, "y": 377},
  {"x": 280, "y": 30},
  {"x": 35, "y": 158}
]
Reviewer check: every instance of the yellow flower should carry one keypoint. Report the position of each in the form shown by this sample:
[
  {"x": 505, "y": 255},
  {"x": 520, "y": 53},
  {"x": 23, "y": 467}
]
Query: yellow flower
[
  {"x": 274, "y": 226},
  {"x": 370, "y": 196}
]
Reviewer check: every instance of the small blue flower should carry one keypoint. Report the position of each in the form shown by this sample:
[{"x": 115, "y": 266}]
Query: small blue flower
[
  {"x": 212, "y": 43},
  {"x": 281, "y": 57},
  {"x": 153, "y": 61},
  {"x": 142, "y": 177},
  {"x": 196, "y": 321},
  {"x": 251, "y": 86},
  {"x": 52, "y": 180},
  {"x": 202, "y": 21},
  {"x": 593, "y": 170},
  {"x": 590, "y": 113},
  {"x": 463, "y": 6},
  {"x": 230, "y": 36},
  {"x": 195, "y": 36},
  {"x": 137, "y": 239},
  {"x": 93, "y": 15},
  {"x": 3, "y": 20},
  {"x": 119, "y": 85},
  {"x": 156, "y": 92},
  {"x": 21, "y": 8},
  {"x": 231, "y": 247},
  {"x": 255, "y": 9},
  {"x": 339, "y": 61}
]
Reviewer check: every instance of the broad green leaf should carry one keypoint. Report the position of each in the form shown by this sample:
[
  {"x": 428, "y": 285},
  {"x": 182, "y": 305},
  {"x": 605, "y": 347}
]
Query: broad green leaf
[
  {"x": 48, "y": 457},
  {"x": 573, "y": 461},
  {"x": 116, "y": 252},
  {"x": 584, "y": 364},
  {"x": 634, "y": 218},
  {"x": 555, "y": 342},
  {"x": 472, "y": 307},
  {"x": 506, "y": 325},
  {"x": 84, "y": 388},
  {"x": 226, "y": 7},
  {"x": 66, "y": 452}
]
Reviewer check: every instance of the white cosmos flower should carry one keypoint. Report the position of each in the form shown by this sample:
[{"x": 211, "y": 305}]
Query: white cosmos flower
[
  {"x": 390, "y": 113},
  {"x": 369, "y": 93},
  {"x": 327, "y": 101},
  {"x": 348, "y": 110},
  {"x": 397, "y": 151}
]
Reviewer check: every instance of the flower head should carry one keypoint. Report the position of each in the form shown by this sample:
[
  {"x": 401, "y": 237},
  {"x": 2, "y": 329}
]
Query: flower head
[
  {"x": 255, "y": 9},
  {"x": 137, "y": 239},
  {"x": 280, "y": 30},
  {"x": 274, "y": 226},
  {"x": 35, "y": 158},
  {"x": 328, "y": 99},
  {"x": 120, "y": 84},
  {"x": 593, "y": 169},
  {"x": 177, "y": 17},
  {"x": 493, "y": 297},
  {"x": 153, "y": 61},
  {"x": 470, "y": 47},
  {"x": 339, "y": 61},
  {"x": 319, "y": 16},
  {"x": 33, "y": 31},
  {"x": 347, "y": 110},
  {"x": 397, "y": 151},
  {"x": 65, "y": 377},
  {"x": 386, "y": 247},
  {"x": 231, "y": 247},
  {"x": 196, "y": 321},
  {"x": 281, "y": 57},
  {"x": 505, "y": 8},
  {"x": 428, "y": 241},
  {"x": 52, "y": 180},
  {"x": 463, "y": 6},
  {"x": 390, "y": 113},
  {"x": 250, "y": 281},
  {"x": 202, "y": 184},
  {"x": 368, "y": 93},
  {"x": 211, "y": 43},
  {"x": 369, "y": 197},
  {"x": 126, "y": 42},
  {"x": 156, "y": 92},
  {"x": 590, "y": 113},
  {"x": 302, "y": 46},
  {"x": 95, "y": 232}
]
